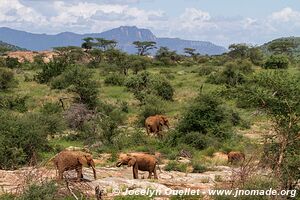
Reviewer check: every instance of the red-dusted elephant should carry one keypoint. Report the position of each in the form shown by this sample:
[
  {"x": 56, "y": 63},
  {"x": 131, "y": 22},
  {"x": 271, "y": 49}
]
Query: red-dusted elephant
[{"x": 154, "y": 124}]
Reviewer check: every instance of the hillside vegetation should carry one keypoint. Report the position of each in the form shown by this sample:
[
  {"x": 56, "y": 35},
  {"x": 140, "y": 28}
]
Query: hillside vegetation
[
  {"x": 97, "y": 97},
  {"x": 4, "y": 47}
]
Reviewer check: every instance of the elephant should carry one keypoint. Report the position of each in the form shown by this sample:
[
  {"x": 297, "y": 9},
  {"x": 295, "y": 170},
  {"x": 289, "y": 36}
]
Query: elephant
[
  {"x": 139, "y": 161},
  {"x": 70, "y": 160},
  {"x": 155, "y": 123},
  {"x": 235, "y": 156}
]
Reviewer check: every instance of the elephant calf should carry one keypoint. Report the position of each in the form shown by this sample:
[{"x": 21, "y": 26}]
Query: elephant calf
[
  {"x": 235, "y": 156},
  {"x": 139, "y": 161},
  {"x": 73, "y": 160}
]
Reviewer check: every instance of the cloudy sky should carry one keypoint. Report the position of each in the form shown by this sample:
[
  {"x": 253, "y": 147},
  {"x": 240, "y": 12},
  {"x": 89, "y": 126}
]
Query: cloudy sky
[{"x": 219, "y": 21}]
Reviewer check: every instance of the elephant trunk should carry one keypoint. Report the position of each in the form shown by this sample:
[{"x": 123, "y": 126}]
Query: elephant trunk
[
  {"x": 168, "y": 125},
  {"x": 94, "y": 171}
]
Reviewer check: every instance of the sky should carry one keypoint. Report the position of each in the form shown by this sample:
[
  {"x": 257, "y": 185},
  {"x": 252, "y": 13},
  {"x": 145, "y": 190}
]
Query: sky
[{"x": 222, "y": 22}]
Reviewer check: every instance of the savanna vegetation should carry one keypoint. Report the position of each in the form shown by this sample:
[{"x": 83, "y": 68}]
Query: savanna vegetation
[{"x": 98, "y": 97}]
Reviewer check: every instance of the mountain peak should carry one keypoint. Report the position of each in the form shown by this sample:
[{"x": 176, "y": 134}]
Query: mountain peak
[
  {"x": 124, "y": 35},
  {"x": 130, "y": 33}
]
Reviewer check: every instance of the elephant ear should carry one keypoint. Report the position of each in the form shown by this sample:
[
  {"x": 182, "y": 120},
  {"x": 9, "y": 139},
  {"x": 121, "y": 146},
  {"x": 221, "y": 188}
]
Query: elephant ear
[
  {"x": 82, "y": 159},
  {"x": 132, "y": 161}
]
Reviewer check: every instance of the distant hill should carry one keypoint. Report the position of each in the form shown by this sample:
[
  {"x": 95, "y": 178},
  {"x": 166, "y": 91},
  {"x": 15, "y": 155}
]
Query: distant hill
[
  {"x": 10, "y": 47},
  {"x": 295, "y": 40},
  {"x": 124, "y": 35}
]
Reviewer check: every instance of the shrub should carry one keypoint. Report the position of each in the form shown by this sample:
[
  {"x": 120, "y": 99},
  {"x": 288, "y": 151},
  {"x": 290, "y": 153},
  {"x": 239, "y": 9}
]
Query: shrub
[
  {"x": 130, "y": 140},
  {"x": 46, "y": 191},
  {"x": 276, "y": 62},
  {"x": 22, "y": 138},
  {"x": 50, "y": 70},
  {"x": 7, "y": 79},
  {"x": 12, "y": 62},
  {"x": 103, "y": 126},
  {"x": 168, "y": 74},
  {"x": 17, "y": 103},
  {"x": 206, "y": 70},
  {"x": 124, "y": 106},
  {"x": 52, "y": 118},
  {"x": 76, "y": 115},
  {"x": 233, "y": 74},
  {"x": 206, "y": 115},
  {"x": 59, "y": 82},
  {"x": 115, "y": 79},
  {"x": 79, "y": 80},
  {"x": 198, "y": 168},
  {"x": 205, "y": 123},
  {"x": 176, "y": 166},
  {"x": 145, "y": 83}
]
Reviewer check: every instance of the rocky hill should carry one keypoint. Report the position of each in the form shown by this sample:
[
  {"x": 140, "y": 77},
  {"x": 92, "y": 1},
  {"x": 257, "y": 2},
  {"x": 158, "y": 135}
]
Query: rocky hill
[{"x": 124, "y": 35}]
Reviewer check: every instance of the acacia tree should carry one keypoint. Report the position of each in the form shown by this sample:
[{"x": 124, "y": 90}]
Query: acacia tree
[
  {"x": 190, "y": 51},
  {"x": 88, "y": 43},
  {"x": 105, "y": 44},
  {"x": 144, "y": 47},
  {"x": 278, "y": 93},
  {"x": 166, "y": 56},
  {"x": 238, "y": 50},
  {"x": 282, "y": 47}
]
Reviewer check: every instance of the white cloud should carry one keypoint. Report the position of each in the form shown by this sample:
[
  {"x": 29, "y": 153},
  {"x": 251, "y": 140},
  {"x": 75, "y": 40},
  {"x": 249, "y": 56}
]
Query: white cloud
[
  {"x": 12, "y": 11},
  {"x": 285, "y": 15},
  {"x": 84, "y": 16}
]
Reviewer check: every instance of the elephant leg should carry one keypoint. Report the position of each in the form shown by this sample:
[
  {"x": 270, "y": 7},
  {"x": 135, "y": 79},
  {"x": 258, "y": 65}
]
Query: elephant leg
[
  {"x": 155, "y": 174},
  {"x": 150, "y": 175},
  {"x": 60, "y": 174},
  {"x": 79, "y": 173},
  {"x": 135, "y": 172}
]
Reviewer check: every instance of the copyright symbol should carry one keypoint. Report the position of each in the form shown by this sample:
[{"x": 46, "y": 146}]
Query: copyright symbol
[{"x": 116, "y": 191}]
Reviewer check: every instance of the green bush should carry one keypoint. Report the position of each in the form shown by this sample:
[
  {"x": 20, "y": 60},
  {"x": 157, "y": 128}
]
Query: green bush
[
  {"x": 198, "y": 168},
  {"x": 103, "y": 126},
  {"x": 46, "y": 191},
  {"x": 12, "y": 62},
  {"x": 79, "y": 80},
  {"x": 206, "y": 70},
  {"x": 7, "y": 79},
  {"x": 21, "y": 139},
  {"x": 59, "y": 82},
  {"x": 276, "y": 62},
  {"x": 130, "y": 140},
  {"x": 50, "y": 70},
  {"x": 167, "y": 73},
  {"x": 115, "y": 79},
  {"x": 207, "y": 122},
  {"x": 124, "y": 106},
  {"x": 234, "y": 74},
  {"x": 145, "y": 83},
  {"x": 52, "y": 118},
  {"x": 12, "y": 102},
  {"x": 176, "y": 166}
]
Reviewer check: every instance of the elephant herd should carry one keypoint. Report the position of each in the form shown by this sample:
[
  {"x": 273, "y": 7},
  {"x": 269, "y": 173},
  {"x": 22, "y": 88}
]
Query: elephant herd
[{"x": 75, "y": 160}]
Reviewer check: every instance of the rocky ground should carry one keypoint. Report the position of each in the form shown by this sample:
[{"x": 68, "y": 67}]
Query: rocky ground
[{"x": 117, "y": 181}]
